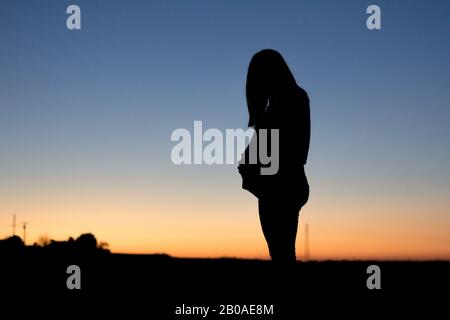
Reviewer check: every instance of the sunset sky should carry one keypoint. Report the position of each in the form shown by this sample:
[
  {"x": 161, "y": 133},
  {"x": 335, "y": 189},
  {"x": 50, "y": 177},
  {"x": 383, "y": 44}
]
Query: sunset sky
[{"x": 86, "y": 118}]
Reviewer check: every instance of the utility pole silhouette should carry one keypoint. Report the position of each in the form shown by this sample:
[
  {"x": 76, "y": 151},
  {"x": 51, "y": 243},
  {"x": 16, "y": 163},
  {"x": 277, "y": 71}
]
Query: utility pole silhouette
[
  {"x": 306, "y": 242},
  {"x": 24, "y": 226},
  {"x": 14, "y": 224}
]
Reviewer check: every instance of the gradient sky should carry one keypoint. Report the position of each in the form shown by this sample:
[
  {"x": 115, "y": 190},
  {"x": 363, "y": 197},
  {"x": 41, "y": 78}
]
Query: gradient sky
[{"x": 86, "y": 118}]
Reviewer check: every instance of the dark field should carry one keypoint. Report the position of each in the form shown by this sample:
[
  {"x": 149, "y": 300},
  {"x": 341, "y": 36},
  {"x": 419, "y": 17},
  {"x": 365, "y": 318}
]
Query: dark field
[{"x": 153, "y": 286}]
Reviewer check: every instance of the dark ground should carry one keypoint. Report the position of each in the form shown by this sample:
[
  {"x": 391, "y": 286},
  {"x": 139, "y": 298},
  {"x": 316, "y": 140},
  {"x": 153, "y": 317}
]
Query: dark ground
[{"x": 152, "y": 286}]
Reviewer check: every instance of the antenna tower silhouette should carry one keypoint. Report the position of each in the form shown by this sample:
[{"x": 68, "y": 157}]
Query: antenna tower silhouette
[{"x": 24, "y": 226}]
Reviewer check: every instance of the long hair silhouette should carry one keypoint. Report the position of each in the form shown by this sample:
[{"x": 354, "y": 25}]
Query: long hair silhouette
[
  {"x": 268, "y": 74},
  {"x": 275, "y": 101}
]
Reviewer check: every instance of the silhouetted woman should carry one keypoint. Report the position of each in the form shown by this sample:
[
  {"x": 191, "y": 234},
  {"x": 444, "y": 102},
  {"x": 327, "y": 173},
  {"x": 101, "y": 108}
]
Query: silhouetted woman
[{"x": 275, "y": 101}]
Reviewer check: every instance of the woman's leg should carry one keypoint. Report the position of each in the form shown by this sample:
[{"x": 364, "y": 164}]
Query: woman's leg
[{"x": 279, "y": 221}]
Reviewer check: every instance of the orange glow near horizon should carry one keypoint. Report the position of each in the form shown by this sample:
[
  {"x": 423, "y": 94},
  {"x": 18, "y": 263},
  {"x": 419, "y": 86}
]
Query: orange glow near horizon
[{"x": 339, "y": 229}]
